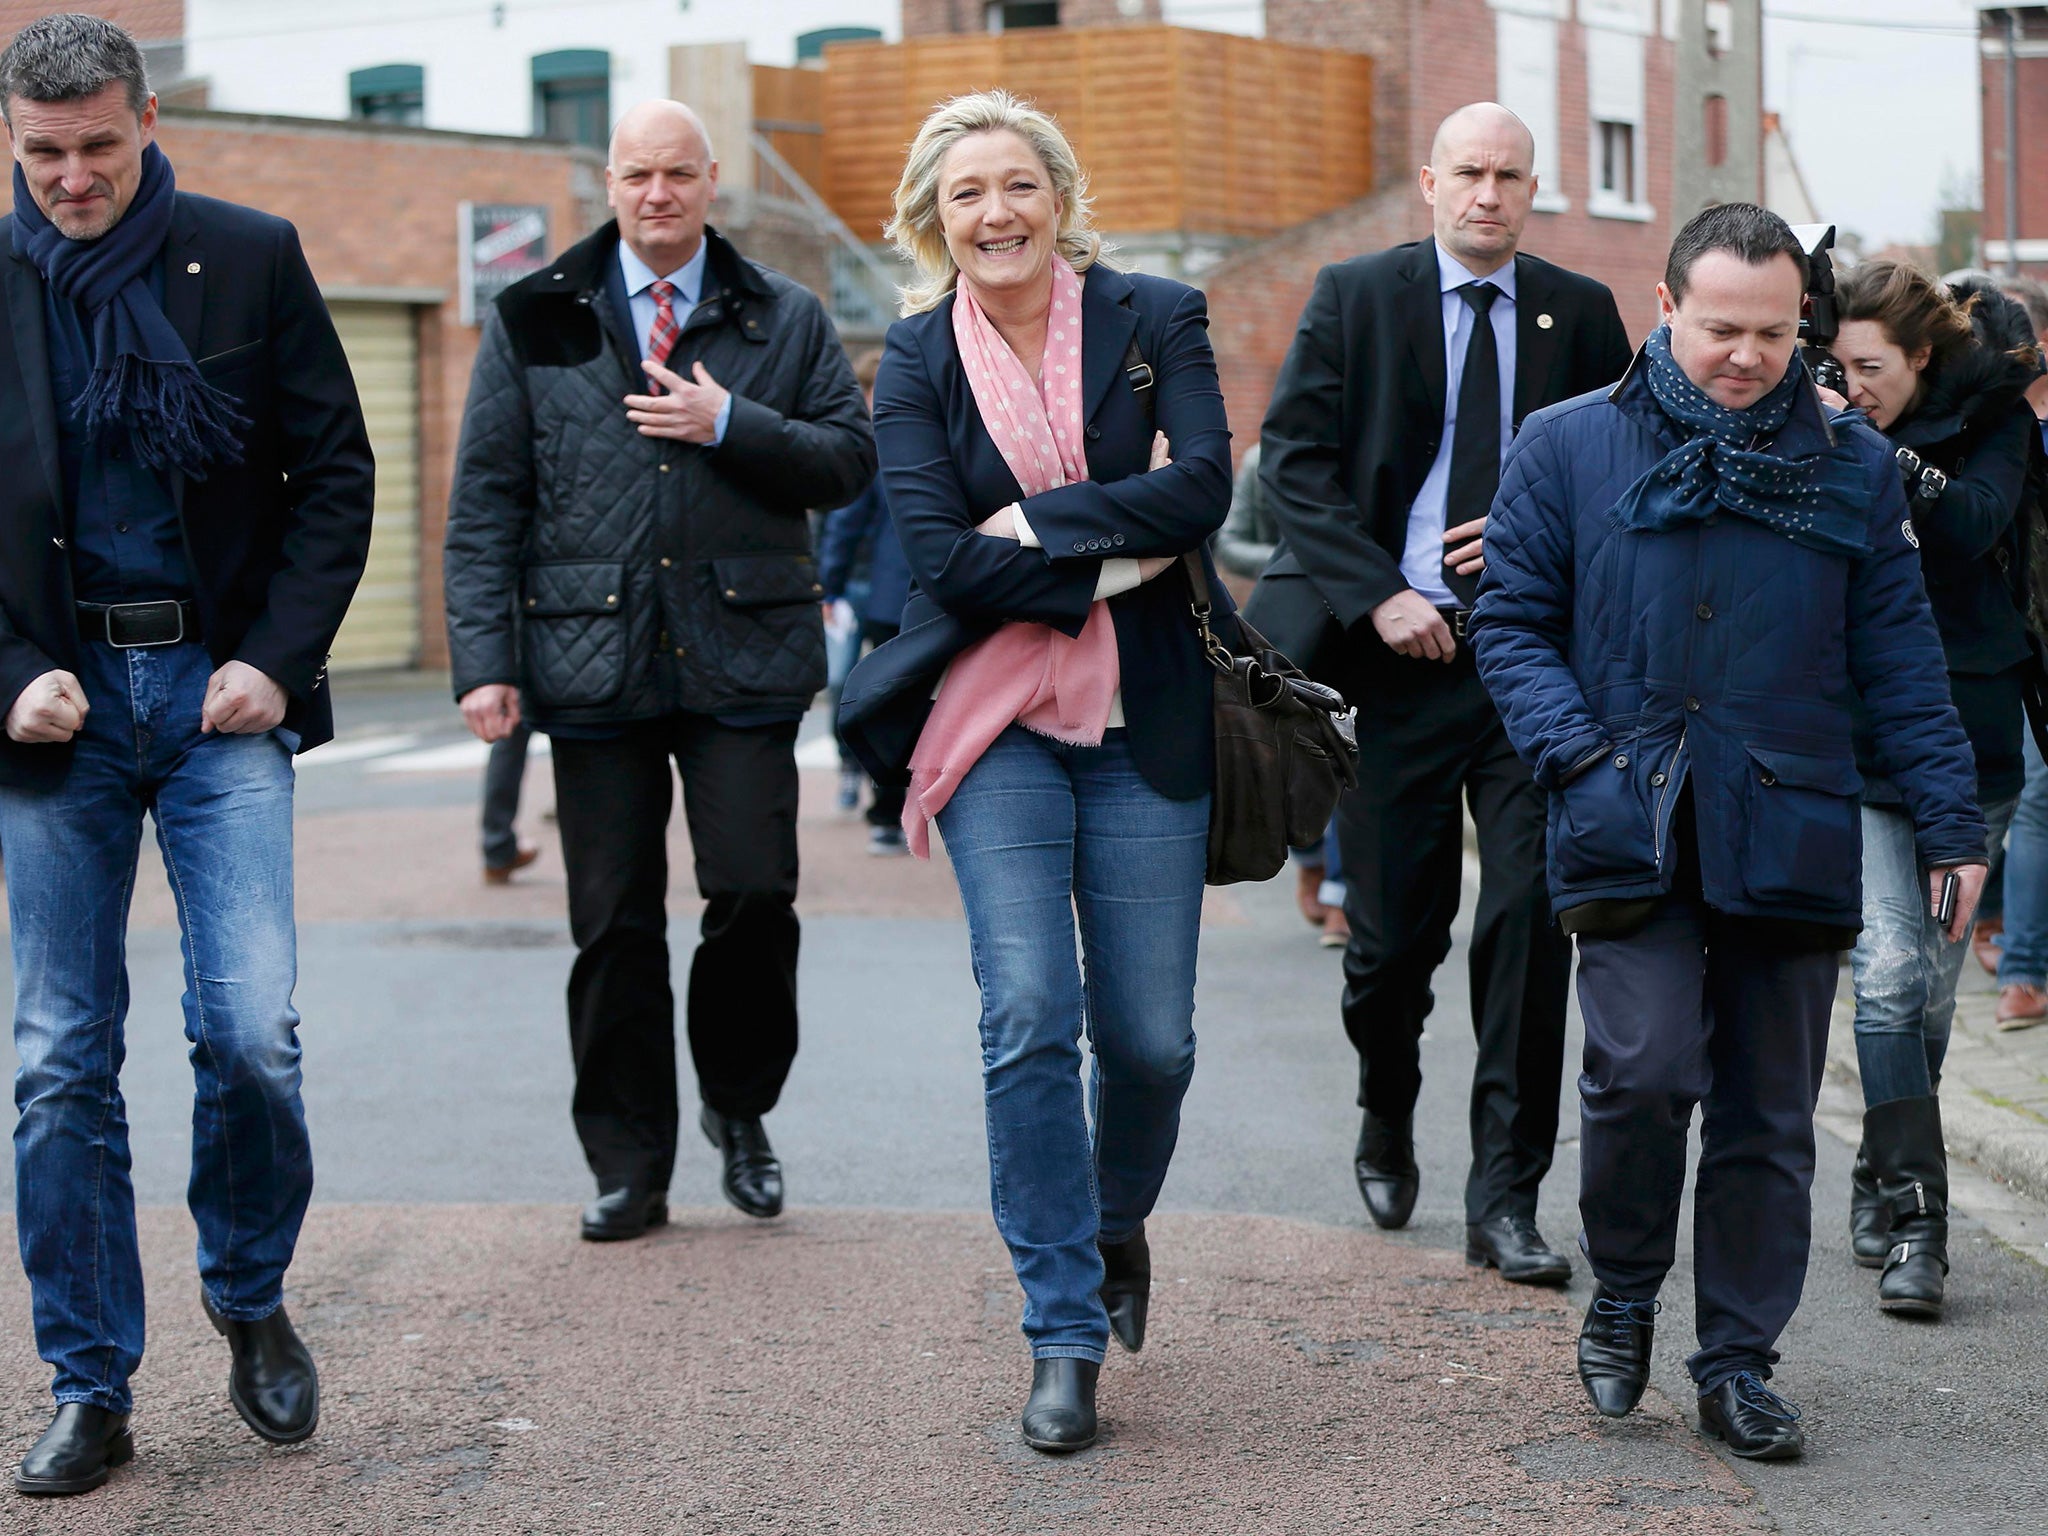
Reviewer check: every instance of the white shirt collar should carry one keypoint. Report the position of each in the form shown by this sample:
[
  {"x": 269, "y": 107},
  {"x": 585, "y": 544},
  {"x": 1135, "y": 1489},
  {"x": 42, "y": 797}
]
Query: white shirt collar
[
  {"x": 688, "y": 278},
  {"x": 1452, "y": 274}
]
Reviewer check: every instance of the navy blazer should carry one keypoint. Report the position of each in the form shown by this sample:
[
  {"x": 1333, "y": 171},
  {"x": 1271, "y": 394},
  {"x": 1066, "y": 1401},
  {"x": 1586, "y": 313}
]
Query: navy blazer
[
  {"x": 944, "y": 474},
  {"x": 863, "y": 524}
]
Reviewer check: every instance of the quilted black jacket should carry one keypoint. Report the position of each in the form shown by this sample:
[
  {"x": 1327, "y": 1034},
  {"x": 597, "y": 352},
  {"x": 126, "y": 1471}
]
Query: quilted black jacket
[{"x": 617, "y": 577}]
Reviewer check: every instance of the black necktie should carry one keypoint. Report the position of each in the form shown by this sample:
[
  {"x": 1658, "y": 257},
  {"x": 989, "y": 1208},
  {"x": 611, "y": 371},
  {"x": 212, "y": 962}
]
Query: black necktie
[{"x": 1475, "y": 443}]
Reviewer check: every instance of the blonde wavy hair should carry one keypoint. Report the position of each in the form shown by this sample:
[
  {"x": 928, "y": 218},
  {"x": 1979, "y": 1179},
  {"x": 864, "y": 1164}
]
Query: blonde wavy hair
[{"x": 915, "y": 229}]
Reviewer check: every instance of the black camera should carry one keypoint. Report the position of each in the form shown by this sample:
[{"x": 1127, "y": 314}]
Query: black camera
[{"x": 1819, "y": 318}]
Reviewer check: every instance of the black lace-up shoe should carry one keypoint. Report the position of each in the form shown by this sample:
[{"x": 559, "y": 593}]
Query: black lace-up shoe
[
  {"x": 752, "y": 1179},
  {"x": 82, "y": 1445},
  {"x": 1751, "y": 1419},
  {"x": 1614, "y": 1351},
  {"x": 1512, "y": 1245}
]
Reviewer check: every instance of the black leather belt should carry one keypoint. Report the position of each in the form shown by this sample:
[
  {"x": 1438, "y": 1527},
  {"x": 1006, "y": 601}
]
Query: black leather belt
[
  {"x": 1457, "y": 618},
  {"x": 129, "y": 626}
]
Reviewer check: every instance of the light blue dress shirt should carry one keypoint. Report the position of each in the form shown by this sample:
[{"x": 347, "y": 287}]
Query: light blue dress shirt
[
  {"x": 689, "y": 281},
  {"x": 1422, "y": 559}
]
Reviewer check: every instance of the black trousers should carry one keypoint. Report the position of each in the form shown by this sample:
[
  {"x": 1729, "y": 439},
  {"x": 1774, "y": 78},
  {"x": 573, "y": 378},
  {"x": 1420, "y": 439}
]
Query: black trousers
[
  {"x": 612, "y": 800},
  {"x": 1428, "y": 738},
  {"x": 1701, "y": 1008}
]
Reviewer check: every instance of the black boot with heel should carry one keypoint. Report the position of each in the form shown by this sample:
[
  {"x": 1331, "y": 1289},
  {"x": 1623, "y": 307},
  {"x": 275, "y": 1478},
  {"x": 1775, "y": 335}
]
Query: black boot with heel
[
  {"x": 1870, "y": 1225},
  {"x": 1127, "y": 1287},
  {"x": 1059, "y": 1416},
  {"x": 1911, "y": 1164}
]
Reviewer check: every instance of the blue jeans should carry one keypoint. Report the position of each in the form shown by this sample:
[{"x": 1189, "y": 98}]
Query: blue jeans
[
  {"x": 223, "y": 812},
  {"x": 1904, "y": 966},
  {"x": 2025, "y": 942},
  {"x": 1038, "y": 832}
]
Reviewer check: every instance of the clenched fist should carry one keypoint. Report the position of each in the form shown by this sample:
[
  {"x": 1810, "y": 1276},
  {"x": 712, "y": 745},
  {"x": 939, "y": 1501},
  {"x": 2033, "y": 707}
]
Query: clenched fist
[
  {"x": 52, "y": 708},
  {"x": 241, "y": 701}
]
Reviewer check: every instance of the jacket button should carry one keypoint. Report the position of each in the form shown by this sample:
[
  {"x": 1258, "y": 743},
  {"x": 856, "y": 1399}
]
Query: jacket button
[
  {"x": 1118, "y": 541},
  {"x": 1704, "y": 611},
  {"x": 1769, "y": 777},
  {"x": 533, "y": 602},
  {"x": 664, "y": 469},
  {"x": 679, "y": 653},
  {"x": 1621, "y": 760},
  {"x": 1693, "y": 705},
  {"x": 1080, "y": 549},
  {"x": 1657, "y": 781},
  {"x": 611, "y": 599},
  {"x": 1094, "y": 433},
  {"x": 666, "y": 562},
  {"x": 732, "y": 591}
]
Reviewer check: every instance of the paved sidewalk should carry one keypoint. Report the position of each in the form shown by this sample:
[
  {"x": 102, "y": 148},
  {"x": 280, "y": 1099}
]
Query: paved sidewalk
[
  {"x": 852, "y": 1371},
  {"x": 1994, "y": 1090}
]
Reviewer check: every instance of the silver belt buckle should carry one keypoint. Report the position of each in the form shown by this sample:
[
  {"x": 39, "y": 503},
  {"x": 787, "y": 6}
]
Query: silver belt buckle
[{"x": 117, "y": 611}]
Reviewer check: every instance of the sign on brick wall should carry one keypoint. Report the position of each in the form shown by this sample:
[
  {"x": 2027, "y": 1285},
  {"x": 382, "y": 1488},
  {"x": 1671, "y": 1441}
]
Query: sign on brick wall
[{"x": 501, "y": 243}]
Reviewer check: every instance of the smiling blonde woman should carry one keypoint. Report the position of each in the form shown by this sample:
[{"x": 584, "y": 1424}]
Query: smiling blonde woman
[{"x": 1048, "y": 702}]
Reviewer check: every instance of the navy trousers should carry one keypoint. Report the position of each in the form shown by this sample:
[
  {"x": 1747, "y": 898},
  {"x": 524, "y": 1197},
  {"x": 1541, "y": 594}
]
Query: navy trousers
[{"x": 1702, "y": 1009}]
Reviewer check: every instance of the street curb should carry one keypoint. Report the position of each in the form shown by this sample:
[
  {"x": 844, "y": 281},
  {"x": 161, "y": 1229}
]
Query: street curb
[{"x": 2004, "y": 1142}]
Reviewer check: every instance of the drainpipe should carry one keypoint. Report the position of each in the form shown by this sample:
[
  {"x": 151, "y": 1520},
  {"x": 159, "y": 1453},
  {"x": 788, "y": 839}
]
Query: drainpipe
[{"x": 2012, "y": 140}]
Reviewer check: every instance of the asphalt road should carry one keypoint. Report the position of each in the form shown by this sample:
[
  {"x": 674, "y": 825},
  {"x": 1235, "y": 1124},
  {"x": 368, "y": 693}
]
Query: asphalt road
[{"x": 437, "y": 1072}]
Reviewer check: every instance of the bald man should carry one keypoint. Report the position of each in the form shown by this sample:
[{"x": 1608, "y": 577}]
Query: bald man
[
  {"x": 1380, "y": 457},
  {"x": 629, "y": 569}
]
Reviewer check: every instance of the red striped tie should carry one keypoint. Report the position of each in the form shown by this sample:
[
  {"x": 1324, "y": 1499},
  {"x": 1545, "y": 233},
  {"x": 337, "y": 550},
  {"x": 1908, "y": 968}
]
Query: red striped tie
[{"x": 661, "y": 340}]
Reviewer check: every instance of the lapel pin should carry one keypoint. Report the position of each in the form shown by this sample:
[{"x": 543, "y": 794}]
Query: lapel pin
[
  {"x": 1544, "y": 322},
  {"x": 194, "y": 267}
]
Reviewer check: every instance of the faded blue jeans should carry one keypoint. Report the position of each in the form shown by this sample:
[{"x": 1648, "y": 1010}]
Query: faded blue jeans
[
  {"x": 1037, "y": 833},
  {"x": 2023, "y": 959},
  {"x": 223, "y": 812},
  {"x": 1904, "y": 966}
]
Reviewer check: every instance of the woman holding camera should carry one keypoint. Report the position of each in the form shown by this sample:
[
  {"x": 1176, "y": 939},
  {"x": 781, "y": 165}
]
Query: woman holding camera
[
  {"x": 1950, "y": 395},
  {"x": 1050, "y": 672}
]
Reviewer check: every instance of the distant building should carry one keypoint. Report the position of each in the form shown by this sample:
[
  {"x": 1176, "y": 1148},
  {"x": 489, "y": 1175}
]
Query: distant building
[
  {"x": 2013, "y": 41},
  {"x": 1785, "y": 189}
]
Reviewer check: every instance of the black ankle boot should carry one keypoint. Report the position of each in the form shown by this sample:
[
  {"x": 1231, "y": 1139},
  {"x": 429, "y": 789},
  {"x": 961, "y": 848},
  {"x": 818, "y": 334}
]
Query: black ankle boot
[
  {"x": 1059, "y": 1415},
  {"x": 82, "y": 1445},
  {"x": 1906, "y": 1152},
  {"x": 1614, "y": 1351},
  {"x": 1127, "y": 1287},
  {"x": 1870, "y": 1224}
]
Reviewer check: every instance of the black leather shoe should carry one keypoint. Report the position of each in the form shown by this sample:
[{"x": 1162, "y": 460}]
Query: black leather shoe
[
  {"x": 1512, "y": 1245},
  {"x": 272, "y": 1382},
  {"x": 1385, "y": 1165},
  {"x": 1906, "y": 1154},
  {"x": 753, "y": 1178},
  {"x": 1870, "y": 1224},
  {"x": 82, "y": 1445},
  {"x": 1614, "y": 1351},
  {"x": 1127, "y": 1287},
  {"x": 618, "y": 1215},
  {"x": 1059, "y": 1416},
  {"x": 1752, "y": 1419}
]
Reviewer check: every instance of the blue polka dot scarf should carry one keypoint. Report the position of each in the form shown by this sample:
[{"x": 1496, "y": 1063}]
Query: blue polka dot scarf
[{"x": 1818, "y": 501}]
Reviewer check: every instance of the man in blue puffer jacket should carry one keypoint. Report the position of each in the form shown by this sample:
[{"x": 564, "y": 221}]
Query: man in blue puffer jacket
[{"x": 1685, "y": 577}]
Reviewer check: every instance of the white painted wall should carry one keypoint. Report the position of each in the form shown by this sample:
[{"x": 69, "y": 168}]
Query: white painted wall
[{"x": 294, "y": 56}]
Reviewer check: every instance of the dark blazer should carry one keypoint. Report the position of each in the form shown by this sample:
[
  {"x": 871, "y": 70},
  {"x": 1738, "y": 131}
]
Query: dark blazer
[
  {"x": 276, "y": 543},
  {"x": 944, "y": 474},
  {"x": 1357, "y": 413}
]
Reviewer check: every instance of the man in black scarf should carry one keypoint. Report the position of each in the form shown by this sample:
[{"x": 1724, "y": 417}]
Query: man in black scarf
[{"x": 184, "y": 518}]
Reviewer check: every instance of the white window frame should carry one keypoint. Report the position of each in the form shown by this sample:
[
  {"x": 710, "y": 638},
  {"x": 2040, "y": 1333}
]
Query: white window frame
[
  {"x": 1617, "y": 90},
  {"x": 1526, "y": 33}
]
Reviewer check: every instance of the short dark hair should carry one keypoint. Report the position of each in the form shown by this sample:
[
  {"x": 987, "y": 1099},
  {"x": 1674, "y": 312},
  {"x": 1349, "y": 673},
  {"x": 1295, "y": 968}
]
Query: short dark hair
[
  {"x": 1754, "y": 234},
  {"x": 68, "y": 58}
]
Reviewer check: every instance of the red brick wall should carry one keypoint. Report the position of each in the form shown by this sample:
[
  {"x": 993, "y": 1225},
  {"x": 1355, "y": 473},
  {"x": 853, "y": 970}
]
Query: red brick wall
[
  {"x": 2032, "y": 99},
  {"x": 378, "y": 210},
  {"x": 149, "y": 21},
  {"x": 1255, "y": 297},
  {"x": 1383, "y": 28}
]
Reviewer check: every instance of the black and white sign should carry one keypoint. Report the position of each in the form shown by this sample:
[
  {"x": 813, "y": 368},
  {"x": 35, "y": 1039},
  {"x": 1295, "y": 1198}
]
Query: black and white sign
[{"x": 501, "y": 243}]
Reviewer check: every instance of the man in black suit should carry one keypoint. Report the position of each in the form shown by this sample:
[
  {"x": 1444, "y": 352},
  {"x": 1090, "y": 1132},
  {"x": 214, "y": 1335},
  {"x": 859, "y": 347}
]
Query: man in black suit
[
  {"x": 1381, "y": 492},
  {"x": 184, "y": 518}
]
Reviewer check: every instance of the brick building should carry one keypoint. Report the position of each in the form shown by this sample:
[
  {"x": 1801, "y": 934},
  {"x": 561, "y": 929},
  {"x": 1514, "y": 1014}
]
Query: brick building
[{"x": 2014, "y": 45}]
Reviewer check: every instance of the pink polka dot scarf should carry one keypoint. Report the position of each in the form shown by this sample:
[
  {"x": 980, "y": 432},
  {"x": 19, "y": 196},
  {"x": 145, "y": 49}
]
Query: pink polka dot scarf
[{"x": 1026, "y": 674}]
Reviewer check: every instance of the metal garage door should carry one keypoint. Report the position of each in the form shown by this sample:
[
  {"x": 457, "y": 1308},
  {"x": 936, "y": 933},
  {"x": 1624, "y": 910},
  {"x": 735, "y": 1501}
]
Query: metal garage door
[{"x": 383, "y": 624}]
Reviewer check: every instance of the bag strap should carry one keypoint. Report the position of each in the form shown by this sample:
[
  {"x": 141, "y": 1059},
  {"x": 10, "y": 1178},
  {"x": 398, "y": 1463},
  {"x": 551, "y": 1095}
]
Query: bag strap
[{"x": 1142, "y": 378}]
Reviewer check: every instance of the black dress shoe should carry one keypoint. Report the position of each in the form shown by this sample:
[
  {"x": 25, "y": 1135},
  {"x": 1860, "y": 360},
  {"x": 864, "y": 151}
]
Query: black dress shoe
[
  {"x": 1127, "y": 1287},
  {"x": 1385, "y": 1165},
  {"x": 1752, "y": 1419},
  {"x": 618, "y": 1215},
  {"x": 82, "y": 1445},
  {"x": 271, "y": 1381},
  {"x": 1614, "y": 1351},
  {"x": 1059, "y": 1415},
  {"x": 753, "y": 1178},
  {"x": 1512, "y": 1245}
]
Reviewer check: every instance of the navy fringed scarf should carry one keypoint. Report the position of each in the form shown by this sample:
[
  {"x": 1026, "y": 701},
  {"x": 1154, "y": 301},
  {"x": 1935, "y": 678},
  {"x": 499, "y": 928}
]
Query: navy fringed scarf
[
  {"x": 143, "y": 379},
  {"x": 1819, "y": 500}
]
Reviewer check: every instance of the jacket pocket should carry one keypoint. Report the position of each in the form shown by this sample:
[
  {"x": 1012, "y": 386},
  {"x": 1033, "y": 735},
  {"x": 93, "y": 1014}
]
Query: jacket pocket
[
  {"x": 1600, "y": 828},
  {"x": 573, "y": 632},
  {"x": 1804, "y": 842},
  {"x": 770, "y": 636}
]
